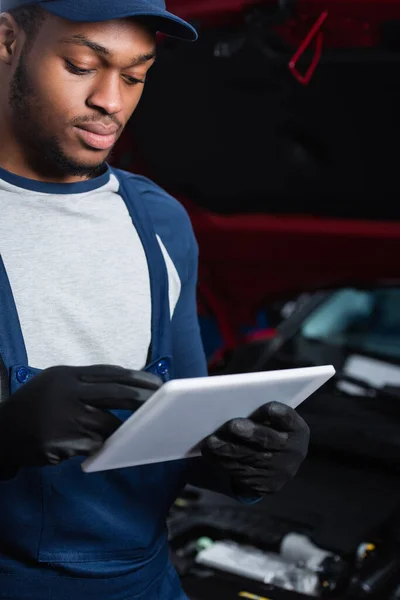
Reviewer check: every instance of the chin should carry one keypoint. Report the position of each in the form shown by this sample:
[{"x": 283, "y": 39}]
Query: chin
[
  {"x": 79, "y": 165},
  {"x": 86, "y": 158}
]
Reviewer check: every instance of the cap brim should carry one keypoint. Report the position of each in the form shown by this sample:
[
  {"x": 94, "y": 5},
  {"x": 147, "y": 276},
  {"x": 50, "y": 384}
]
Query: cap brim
[{"x": 87, "y": 11}]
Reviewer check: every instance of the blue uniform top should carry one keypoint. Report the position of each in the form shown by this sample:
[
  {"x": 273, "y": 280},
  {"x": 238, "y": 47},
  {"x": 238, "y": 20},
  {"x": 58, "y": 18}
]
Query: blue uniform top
[{"x": 66, "y": 534}]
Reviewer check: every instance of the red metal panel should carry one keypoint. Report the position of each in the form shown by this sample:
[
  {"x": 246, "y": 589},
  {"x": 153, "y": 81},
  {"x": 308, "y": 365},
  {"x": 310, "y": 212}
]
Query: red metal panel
[
  {"x": 207, "y": 8},
  {"x": 280, "y": 255},
  {"x": 376, "y": 10},
  {"x": 350, "y": 23}
]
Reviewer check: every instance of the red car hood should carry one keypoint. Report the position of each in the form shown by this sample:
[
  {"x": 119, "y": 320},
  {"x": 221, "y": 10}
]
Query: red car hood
[{"x": 248, "y": 260}]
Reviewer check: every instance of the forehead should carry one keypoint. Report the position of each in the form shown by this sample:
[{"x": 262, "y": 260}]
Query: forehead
[{"x": 121, "y": 39}]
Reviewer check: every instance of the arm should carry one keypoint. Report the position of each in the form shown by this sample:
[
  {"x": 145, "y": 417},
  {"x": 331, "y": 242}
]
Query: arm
[
  {"x": 254, "y": 456},
  {"x": 190, "y": 361}
]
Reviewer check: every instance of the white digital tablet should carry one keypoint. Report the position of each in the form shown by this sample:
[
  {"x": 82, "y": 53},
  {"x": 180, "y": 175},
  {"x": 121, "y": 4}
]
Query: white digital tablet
[{"x": 183, "y": 412}]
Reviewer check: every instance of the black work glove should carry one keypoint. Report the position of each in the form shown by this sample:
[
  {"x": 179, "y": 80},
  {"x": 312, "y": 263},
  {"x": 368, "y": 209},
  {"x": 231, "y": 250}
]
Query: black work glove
[
  {"x": 63, "y": 412},
  {"x": 261, "y": 453}
]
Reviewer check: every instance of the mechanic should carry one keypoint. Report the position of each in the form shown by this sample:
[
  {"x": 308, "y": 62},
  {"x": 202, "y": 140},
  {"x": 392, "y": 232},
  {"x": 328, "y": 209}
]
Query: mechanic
[{"x": 98, "y": 277}]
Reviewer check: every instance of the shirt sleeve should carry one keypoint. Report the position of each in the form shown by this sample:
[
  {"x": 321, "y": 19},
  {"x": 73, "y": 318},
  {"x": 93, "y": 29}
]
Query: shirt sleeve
[{"x": 187, "y": 347}]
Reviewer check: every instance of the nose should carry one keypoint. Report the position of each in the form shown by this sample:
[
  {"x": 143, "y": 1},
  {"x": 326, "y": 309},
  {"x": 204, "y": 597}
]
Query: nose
[{"x": 106, "y": 95}]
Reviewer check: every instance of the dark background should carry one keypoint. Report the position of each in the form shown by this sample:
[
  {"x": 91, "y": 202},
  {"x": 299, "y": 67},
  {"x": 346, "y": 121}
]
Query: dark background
[{"x": 238, "y": 133}]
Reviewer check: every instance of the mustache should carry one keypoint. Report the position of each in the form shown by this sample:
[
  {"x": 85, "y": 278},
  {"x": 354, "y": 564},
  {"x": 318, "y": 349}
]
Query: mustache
[{"x": 85, "y": 120}]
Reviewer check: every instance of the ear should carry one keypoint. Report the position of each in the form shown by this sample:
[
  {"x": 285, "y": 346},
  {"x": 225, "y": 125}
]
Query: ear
[{"x": 9, "y": 33}]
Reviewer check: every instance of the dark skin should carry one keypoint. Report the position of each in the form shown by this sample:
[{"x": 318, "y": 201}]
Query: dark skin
[
  {"x": 51, "y": 88},
  {"x": 43, "y": 98}
]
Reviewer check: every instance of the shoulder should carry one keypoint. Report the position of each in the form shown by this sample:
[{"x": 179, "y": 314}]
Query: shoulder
[
  {"x": 165, "y": 211},
  {"x": 170, "y": 219}
]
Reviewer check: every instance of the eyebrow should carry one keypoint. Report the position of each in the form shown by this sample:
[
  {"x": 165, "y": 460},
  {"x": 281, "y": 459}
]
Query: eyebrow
[{"x": 81, "y": 40}]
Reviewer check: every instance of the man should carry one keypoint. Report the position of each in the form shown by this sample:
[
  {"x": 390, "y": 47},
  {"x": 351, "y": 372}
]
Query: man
[{"x": 97, "y": 308}]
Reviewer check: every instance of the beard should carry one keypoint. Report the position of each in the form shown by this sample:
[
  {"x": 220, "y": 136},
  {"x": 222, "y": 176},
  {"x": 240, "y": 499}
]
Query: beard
[{"x": 43, "y": 152}]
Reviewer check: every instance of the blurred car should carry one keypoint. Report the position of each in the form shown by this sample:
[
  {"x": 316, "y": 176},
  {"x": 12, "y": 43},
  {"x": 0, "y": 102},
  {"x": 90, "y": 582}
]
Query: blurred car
[
  {"x": 355, "y": 329},
  {"x": 358, "y": 321},
  {"x": 343, "y": 508}
]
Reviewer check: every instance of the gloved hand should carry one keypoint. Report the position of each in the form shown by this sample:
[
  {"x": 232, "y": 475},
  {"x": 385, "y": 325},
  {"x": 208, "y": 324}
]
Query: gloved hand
[
  {"x": 62, "y": 412},
  {"x": 261, "y": 453}
]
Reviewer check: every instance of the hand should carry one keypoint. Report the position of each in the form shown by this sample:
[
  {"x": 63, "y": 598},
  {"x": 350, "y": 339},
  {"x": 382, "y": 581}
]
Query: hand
[
  {"x": 63, "y": 412},
  {"x": 261, "y": 453}
]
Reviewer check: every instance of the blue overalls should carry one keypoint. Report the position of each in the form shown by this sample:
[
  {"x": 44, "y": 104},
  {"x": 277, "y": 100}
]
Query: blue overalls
[{"x": 58, "y": 524}]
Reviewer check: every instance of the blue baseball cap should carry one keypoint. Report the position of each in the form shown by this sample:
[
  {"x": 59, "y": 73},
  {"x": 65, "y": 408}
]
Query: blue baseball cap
[{"x": 91, "y": 11}]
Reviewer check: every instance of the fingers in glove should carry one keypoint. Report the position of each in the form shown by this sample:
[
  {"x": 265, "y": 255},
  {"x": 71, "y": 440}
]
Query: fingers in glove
[
  {"x": 261, "y": 485},
  {"x": 280, "y": 417},
  {"x": 241, "y": 473},
  {"x": 114, "y": 374},
  {"x": 112, "y": 396},
  {"x": 236, "y": 453},
  {"x": 249, "y": 433},
  {"x": 255, "y": 479},
  {"x": 65, "y": 450},
  {"x": 99, "y": 422}
]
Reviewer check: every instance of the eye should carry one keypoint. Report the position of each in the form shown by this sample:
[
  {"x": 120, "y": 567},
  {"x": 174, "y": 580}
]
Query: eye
[
  {"x": 133, "y": 80},
  {"x": 73, "y": 69},
  {"x": 77, "y": 71}
]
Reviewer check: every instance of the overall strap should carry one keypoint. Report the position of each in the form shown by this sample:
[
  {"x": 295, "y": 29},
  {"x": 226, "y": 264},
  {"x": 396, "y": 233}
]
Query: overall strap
[
  {"x": 12, "y": 345},
  {"x": 161, "y": 342}
]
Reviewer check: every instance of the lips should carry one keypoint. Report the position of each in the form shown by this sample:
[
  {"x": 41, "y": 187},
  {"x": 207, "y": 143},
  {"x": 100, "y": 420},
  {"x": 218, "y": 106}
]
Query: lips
[{"x": 98, "y": 136}]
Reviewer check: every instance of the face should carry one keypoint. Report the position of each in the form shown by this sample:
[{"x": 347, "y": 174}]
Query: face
[{"x": 69, "y": 96}]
